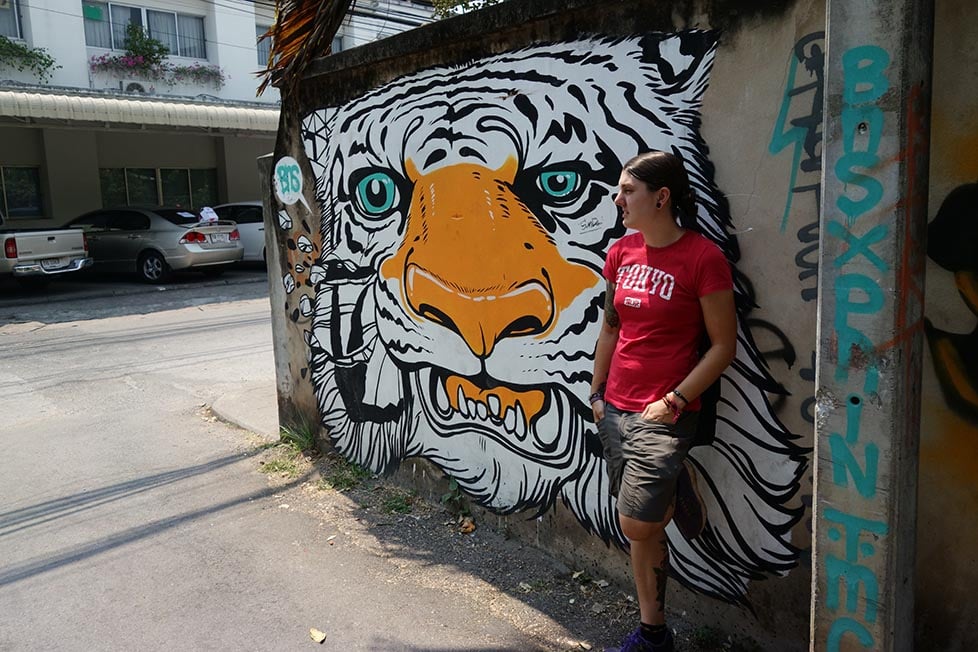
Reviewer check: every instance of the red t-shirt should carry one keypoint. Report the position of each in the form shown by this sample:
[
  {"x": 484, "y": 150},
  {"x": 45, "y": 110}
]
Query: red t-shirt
[{"x": 657, "y": 298}]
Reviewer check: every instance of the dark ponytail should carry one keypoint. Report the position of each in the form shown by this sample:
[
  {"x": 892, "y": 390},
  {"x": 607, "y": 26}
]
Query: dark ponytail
[{"x": 665, "y": 170}]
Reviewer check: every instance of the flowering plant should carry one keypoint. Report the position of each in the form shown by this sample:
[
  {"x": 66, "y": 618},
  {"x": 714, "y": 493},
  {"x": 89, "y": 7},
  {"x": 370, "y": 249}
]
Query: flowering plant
[
  {"x": 128, "y": 65},
  {"x": 147, "y": 58},
  {"x": 198, "y": 74}
]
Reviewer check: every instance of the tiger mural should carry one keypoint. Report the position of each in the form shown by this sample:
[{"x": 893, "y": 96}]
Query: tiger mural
[{"x": 465, "y": 213}]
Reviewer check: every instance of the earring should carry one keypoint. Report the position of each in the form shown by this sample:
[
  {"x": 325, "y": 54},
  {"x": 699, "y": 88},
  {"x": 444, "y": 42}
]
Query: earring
[{"x": 658, "y": 204}]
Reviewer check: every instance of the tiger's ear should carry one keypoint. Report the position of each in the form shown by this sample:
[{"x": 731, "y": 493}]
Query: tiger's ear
[{"x": 680, "y": 63}]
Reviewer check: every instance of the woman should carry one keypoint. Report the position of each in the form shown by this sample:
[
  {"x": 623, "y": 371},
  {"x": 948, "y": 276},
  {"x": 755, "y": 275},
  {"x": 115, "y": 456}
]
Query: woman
[{"x": 667, "y": 286}]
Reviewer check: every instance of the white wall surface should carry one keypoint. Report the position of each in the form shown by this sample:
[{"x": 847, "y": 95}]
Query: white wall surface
[
  {"x": 58, "y": 26},
  {"x": 55, "y": 25}
]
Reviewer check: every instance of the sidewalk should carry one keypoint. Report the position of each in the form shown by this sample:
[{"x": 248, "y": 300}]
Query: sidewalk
[
  {"x": 558, "y": 609},
  {"x": 254, "y": 407},
  {"x": 503, "y": 584}
]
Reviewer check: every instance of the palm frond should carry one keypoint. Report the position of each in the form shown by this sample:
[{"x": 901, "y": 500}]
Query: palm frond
[{"x": 303, "y": 31}]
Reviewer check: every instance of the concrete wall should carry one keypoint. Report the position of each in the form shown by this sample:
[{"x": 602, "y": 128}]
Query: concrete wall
[
  {"x": 376, "y": 182},
  {"x": 71, "y": 170},
  {"x": 947, "y": 557},
  {"x": 237, "y": 158}
]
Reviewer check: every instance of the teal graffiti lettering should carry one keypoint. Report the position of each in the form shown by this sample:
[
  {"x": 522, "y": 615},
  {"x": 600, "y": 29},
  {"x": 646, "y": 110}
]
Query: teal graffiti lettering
[
  {"x": 863, "y": 69},
  {"x": 844, "y": 626},
  {"x": 295, "y": 178},
  {"x": 289, "y": 179},
  {"x": 860, "y": 120},
  {"x": 860, "y": 245},
  {"x": 852, "y": 575},
  {"x": 845, "y": 172},
  {"x": 782, "y": 138},
  {"x": 852, "y": 527},
  {"x": 284, "y": 179},
  {"x": 854, "y": 413},
  {"x": 845, "y": 464},
  {"x": 850, "y": 338}
]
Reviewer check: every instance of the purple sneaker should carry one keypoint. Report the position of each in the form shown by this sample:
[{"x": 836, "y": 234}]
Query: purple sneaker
[{"x": 638, "y": 643}]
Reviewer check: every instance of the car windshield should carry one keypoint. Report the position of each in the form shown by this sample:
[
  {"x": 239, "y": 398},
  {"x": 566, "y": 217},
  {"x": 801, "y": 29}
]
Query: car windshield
[{"x": 178, "y": 216}]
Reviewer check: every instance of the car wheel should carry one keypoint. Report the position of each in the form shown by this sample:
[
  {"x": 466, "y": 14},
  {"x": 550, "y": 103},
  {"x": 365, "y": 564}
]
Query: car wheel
[{"x": 152, "y": 267}]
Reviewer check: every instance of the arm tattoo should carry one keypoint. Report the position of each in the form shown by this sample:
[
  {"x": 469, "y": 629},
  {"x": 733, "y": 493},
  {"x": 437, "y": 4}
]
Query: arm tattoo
[{"x": 610, "y": 314}]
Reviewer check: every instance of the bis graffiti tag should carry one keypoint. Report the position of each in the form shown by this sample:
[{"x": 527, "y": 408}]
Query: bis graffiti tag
[{"x": 855, "y": 462}]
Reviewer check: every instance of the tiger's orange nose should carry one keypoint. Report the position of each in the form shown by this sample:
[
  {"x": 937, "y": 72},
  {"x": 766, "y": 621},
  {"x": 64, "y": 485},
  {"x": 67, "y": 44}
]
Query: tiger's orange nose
[
  {"x": 482, "y": 316},
  {"x": 475, "y": 260}
]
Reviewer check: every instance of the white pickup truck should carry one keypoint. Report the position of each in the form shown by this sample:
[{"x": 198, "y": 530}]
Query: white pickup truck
[{"x": 37, "y": 256}]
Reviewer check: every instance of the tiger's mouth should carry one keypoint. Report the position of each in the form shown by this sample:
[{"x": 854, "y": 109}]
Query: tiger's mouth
[{"x": 524, "y": 420}]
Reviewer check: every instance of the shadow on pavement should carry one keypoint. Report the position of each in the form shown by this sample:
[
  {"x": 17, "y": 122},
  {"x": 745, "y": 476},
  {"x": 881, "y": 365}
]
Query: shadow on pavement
[{"x": 19, "y": 520}]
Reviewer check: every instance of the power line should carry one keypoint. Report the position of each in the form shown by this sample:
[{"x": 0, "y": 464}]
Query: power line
[{"x": 363, "y": 13}]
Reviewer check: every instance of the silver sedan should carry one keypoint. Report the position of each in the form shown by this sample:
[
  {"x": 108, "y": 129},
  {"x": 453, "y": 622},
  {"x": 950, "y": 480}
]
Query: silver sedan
[{"x": 155, "y": 241}]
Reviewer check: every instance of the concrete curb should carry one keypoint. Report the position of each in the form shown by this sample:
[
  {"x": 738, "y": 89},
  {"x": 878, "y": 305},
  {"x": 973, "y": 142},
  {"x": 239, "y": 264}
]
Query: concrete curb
[
  {"x": 254, "y": 408},
  {"x": 110, "y": 291}
]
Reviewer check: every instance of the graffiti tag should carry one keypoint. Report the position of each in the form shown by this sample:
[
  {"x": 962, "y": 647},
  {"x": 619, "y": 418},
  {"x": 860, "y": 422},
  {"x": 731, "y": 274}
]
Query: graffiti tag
[{"x": 854, "y": 461}]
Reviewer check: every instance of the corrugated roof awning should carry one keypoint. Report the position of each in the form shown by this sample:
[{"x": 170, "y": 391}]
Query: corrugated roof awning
[{"x": 119, "y": 111}]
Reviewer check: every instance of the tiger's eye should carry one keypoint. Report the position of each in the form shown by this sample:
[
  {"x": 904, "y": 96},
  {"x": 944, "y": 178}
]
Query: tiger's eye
[
  {"x": 376, "y": 194},
  {"x": 559, "y": 184}
]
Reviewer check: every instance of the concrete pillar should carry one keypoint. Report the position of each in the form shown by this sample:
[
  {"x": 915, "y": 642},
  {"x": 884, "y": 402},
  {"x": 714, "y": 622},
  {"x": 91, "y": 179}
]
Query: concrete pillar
[
  {"x": 71, "y": 173},
  {"x": 870, "y": 310},
  {"x": 297, "y": 405}
]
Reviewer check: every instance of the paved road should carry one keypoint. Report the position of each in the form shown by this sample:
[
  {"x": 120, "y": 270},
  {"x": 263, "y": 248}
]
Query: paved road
[{"x": 129, "y": 521}]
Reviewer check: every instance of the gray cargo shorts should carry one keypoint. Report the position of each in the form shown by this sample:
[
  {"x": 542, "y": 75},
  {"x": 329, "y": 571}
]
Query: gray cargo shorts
[{"x": 644, "y": 459}]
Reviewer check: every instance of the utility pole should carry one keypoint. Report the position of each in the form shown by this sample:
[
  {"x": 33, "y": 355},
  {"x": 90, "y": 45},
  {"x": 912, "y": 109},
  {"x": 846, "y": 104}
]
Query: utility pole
[{"x": 870, "y": 312}]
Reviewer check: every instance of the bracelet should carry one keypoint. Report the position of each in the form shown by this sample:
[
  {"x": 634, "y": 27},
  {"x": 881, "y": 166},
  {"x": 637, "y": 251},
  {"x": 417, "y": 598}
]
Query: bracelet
[
  {"x": 595, "y": 397},
  {"x": 676, "y": 412},
  {"x": 679, "y": 394}
]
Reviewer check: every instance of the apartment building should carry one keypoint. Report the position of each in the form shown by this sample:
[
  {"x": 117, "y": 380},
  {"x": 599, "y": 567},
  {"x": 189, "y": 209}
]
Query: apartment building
[{"x": 96, "y": 127}]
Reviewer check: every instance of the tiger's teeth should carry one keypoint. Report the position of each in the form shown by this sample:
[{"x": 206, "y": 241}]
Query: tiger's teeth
[
  {"x": 470, "y": 408},
  {"x": 520, "y": 422},
  {"x": 481, "y": 410},
  {"x": 441, "y": 398},
  {"x": 494, "y": 405},
  {"x": 510, "y": 421},
  {"x": 548, "y": 429},
  {"x": 462, "y": 408}
]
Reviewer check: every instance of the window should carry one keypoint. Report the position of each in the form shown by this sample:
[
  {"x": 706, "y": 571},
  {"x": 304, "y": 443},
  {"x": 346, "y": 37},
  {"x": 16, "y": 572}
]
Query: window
[
  {"x": 182, "y": 187},
  {"x": 203, "y": 187},
  {"x": 105, "y": 27},
  {"x": 98, "y": 29},
  {"x": 249, "y": 215},
  {"x": 20, "y": 192},
  {"x": 126, "y": 221},
  {"x": 9, "y": 20},
  {"x": 241, "y": 214},
  {"x": 176, "y": 187},
  {"x": 264, "y": 45},
  {"x": 190, "y": 36}
]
